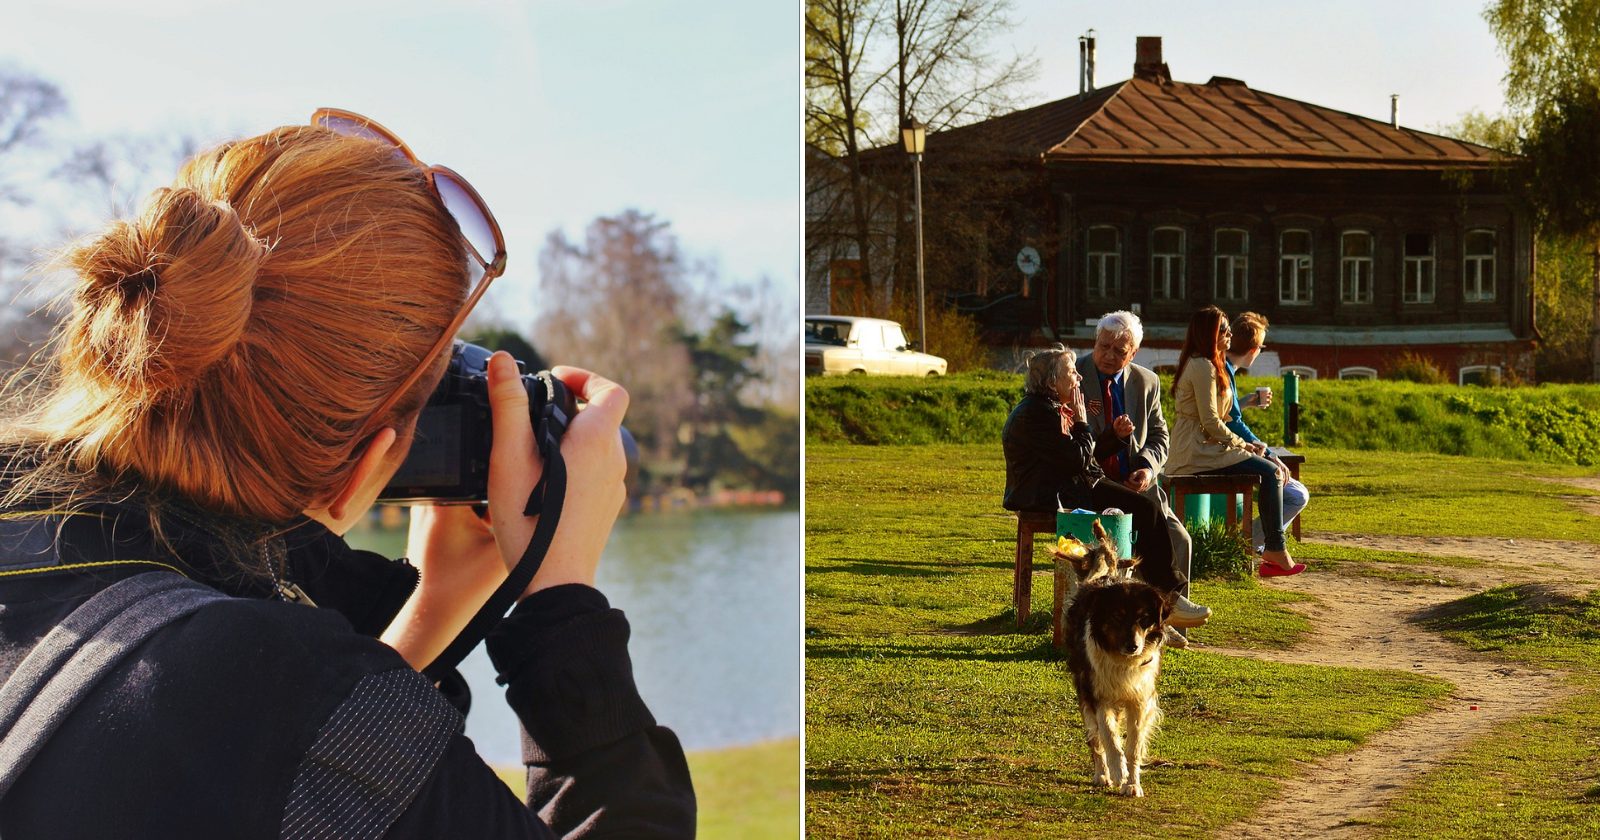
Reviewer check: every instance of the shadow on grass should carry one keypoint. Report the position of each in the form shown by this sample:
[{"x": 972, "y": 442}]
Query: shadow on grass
[
  {"x": 863, "y": 566},
  {"x": 823, "y": 648}
]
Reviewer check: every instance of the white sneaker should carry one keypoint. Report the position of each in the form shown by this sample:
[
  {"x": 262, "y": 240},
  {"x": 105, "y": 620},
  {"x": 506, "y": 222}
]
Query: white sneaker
[
  {"x": 1172, "y": 638},
  {"x": 1186, "y": 613}
]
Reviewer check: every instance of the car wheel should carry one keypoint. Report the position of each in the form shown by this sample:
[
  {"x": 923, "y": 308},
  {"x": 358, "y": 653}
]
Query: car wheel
[{"x": 933, "y": 373}]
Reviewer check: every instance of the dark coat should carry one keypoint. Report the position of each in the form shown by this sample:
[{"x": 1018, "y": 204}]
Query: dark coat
[
  {"x": 1044, "y": 466},
  {"x": 256, "y": 717}
]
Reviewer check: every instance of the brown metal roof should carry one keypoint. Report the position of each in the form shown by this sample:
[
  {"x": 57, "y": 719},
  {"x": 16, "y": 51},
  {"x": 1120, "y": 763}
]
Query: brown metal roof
[{"x": 1220, "y": 123}]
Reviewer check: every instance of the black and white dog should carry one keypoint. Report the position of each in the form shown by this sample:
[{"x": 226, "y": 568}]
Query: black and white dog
[{"x": 1114, "y": 641}]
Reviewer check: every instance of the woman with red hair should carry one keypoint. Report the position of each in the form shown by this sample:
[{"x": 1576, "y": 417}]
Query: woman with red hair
[
  {"x": 1202, "y": 441},
  {"x": 239, "y": 373}
]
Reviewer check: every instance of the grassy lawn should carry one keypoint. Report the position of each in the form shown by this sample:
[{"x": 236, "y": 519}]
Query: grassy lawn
[
  {"x": 744, "y": 793},
  {"x": 928, "y": 715}
]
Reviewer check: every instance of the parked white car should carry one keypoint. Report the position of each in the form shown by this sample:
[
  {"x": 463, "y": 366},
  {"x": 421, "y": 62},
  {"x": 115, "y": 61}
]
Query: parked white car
[{"x": 846, "y": 344}]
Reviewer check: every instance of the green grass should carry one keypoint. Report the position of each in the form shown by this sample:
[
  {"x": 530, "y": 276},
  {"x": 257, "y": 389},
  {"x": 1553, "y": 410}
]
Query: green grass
[
  {"x": 929, "y": 715},
  {"x": 1441, "y": 495},
  {"x": 743, "y": 793},
  {"x": 1538, "y": 776},
  {"x": 1548, "y": 423}
]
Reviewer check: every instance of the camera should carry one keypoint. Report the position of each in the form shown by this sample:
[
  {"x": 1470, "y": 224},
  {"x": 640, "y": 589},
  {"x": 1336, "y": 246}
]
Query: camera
[{"x": 449, "y": 458}]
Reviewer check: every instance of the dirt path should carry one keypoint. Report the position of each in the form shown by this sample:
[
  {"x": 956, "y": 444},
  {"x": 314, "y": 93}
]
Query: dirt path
[{"x": 1369, "y": 623}]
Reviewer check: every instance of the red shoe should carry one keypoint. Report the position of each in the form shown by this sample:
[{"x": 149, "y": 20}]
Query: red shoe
[{"x": 1275, "y": 570}]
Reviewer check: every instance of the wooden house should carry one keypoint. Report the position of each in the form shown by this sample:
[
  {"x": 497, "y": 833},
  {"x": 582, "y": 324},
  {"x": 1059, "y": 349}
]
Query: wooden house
[{"x": 1360, "y": 240}]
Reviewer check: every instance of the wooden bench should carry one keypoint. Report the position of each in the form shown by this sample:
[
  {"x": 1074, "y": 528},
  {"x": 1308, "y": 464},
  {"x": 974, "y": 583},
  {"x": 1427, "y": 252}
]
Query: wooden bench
[{"x": 1184, "y": 486}]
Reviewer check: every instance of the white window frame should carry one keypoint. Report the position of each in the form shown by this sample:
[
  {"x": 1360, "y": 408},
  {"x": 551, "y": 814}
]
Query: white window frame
[
  {"x": 1299, "y": 269},
  {"x": 1490, "y": 372},
  {"x": 1305, "y": 371},
  {"x": 1353, "y": 270},
  {"x": 1237, "y": 267},
  {"x": 1167, "y": 274},
  {"x": 1357, "y": 372},
  {"x": 1414, "y": 270},
  {"x": 1472, "y": 269},
  {"x": 1102, "y": 270}
]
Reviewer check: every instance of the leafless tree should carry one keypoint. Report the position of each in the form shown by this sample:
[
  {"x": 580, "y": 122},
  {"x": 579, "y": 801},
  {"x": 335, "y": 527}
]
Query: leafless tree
[
  {"x": 871, "y": 65},
  {"x": 611, "y": 303}
]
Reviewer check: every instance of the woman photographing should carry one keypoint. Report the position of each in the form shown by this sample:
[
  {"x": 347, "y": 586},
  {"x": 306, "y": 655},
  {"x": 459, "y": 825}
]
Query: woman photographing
[{"x": 238, "y": 375}]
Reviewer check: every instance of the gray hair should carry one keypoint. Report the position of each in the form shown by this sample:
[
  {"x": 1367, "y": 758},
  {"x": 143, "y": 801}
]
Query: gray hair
[
  {"x": 1043, "y": 367},
  {"x": 1121, "y": 324}
]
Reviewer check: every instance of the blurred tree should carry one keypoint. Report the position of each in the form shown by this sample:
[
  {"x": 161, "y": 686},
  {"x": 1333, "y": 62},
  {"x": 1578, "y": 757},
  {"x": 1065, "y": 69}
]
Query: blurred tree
[
  {"x": 1552, "y": 83},
  {"x": 722, "y": 368},
  {"x": 501, "y": 338},
  {"x": 612, "y": 304}
]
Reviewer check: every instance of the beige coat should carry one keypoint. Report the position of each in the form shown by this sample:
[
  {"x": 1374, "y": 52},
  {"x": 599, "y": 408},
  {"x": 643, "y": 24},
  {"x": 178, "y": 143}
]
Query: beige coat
[{"x": 1200, "y": 441}]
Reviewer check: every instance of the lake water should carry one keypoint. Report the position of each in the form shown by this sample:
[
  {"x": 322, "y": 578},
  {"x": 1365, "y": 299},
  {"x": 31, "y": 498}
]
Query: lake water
[{"x": 713, "y": 597}]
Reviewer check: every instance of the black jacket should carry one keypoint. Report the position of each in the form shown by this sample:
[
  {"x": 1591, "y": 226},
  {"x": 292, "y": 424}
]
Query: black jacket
[
  {"x": 256, "y": 717},
  {"x": 1044, "y": 465}
]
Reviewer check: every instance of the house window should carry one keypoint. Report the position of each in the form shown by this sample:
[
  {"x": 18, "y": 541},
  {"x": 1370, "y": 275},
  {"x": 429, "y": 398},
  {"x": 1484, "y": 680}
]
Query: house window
[
  {"x": 1232, "y": 279},
  {"x": 1104, "y": 254},
  {"x": 1304, "y": 371},
  {"x": 1355, "y": 267},
  {"x": 1416, "y": 281},
  {"x": 1478, "y": 284},
  {"x": 1479, "y": 375},
  {"x": 1357, "y": 373},
  {"x": 1294, "y": 267},
  {"x": 1166, "y": 263}
]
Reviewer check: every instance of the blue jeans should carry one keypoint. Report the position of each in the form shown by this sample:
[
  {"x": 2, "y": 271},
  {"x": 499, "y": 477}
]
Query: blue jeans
[
  {"x": 1295, "y": 497},
  {"x": 1271, "y": 499}
]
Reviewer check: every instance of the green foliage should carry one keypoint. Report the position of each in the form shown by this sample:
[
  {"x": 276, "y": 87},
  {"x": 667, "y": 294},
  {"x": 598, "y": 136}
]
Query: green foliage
[
  {"x": 1564, "y": 308},
  {"x": 1552, "y": 423},
  {"x": 1414, "y": 367},
  {"x": 950, "y": 333},
  {"x": 1220, "y": 553}
]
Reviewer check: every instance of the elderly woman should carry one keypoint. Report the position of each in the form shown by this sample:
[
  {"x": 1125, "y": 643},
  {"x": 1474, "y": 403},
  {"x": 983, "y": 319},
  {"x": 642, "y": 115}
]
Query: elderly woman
[
  {"x": 1050, "y": 465},
  {"x": 1202, "y": 441}
]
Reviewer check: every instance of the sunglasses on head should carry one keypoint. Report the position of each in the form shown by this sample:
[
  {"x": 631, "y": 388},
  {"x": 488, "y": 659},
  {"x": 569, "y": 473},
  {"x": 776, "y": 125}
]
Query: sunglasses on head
[{"x": 486, "y": 245}]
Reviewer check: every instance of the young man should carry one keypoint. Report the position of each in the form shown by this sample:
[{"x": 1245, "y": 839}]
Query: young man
[
  {"x": 1123, "y": 401},
  {"x": 1249, "y": 337}
]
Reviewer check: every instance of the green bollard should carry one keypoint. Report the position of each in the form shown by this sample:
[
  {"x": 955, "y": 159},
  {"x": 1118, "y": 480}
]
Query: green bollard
[{"x": 1291, "y": 408}]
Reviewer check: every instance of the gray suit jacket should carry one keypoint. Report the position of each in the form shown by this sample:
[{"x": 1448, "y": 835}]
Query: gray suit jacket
[{"x": 1141, "y": 395}]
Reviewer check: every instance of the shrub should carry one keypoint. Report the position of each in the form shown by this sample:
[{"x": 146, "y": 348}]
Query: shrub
[
  {"x": 952, "y": 335},
  {"x": 1220, "y": 553},
  {"x": 1415, "y": 367}
]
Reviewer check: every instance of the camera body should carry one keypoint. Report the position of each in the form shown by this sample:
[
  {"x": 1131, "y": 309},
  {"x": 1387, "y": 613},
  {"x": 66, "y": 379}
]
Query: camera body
[{"x": 449, "y": 458}]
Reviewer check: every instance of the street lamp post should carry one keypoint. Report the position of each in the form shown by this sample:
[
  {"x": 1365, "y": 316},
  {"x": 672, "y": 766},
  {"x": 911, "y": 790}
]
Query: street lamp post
[{"x": 913, "y": 134}]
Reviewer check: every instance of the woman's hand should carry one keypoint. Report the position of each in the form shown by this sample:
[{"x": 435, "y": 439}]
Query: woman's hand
[
  {"x": 460, "y": 565},
  {"x": 592, "y": 450}
]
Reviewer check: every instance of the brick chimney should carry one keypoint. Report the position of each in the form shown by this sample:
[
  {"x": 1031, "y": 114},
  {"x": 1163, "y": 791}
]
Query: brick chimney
[{"x": 1147, "y": 63}]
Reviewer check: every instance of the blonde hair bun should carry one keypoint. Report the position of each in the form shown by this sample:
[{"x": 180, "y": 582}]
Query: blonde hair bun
[{"x": 166, "y": 296}]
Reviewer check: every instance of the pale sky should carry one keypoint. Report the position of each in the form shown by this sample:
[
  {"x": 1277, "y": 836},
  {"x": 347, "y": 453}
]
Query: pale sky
[
  {"x": 556, "y": 111},
  {"x": 1347, "y": 54},
  {"x": 562, "y": 111}
]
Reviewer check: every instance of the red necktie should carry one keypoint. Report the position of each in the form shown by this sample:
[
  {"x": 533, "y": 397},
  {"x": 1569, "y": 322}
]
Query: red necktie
[{"x": 1113, "y": 464}]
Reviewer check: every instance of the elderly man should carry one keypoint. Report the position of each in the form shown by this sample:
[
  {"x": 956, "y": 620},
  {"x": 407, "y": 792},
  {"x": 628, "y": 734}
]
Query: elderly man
[{"x": 1123, "y": 401}]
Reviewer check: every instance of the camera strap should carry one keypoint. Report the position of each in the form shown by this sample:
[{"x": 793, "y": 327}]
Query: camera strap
[{"x": 545, "y": 502}]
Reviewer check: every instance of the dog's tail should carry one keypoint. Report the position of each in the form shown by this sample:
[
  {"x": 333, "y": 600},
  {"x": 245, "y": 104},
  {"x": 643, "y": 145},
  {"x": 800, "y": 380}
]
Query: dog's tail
[{"x": 1099, "y": 531}]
